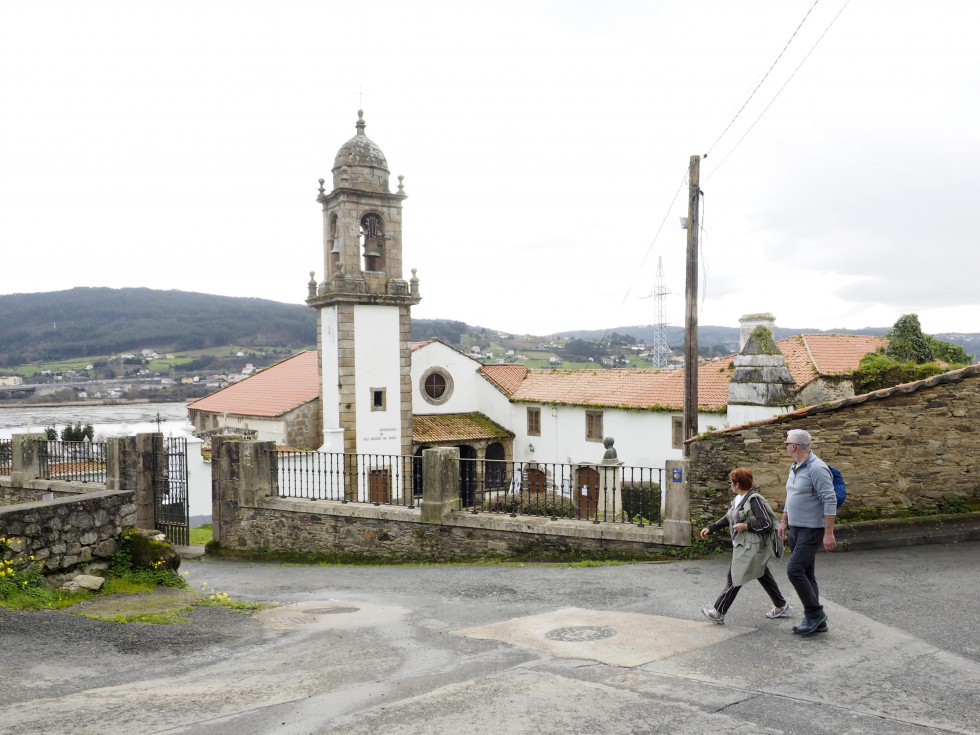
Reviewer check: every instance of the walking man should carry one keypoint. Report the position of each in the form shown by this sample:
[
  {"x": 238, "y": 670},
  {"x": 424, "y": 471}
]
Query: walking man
[{"x": 810, "y": 513}]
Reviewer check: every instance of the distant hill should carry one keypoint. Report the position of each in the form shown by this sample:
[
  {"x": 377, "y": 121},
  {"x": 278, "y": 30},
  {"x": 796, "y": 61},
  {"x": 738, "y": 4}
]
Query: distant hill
[
  {"x": 728, "y": 337},
  {"x": 87, "y": 322},
  {"x": 83, "y": 322}
]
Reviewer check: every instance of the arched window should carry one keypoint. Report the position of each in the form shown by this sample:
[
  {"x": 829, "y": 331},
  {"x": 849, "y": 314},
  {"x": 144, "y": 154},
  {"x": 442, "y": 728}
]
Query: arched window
[
  {"x": 373, "y": 242},
  {"x": 495, "y": 468},
  {"x": 334, "y": 242}
]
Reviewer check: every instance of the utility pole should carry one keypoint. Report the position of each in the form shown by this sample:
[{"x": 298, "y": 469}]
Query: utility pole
[{"x": 691, "y": 307}]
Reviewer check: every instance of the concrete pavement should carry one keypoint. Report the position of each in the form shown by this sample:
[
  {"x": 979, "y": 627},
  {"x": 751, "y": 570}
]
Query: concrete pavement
[{"x": 554, "y": 649}]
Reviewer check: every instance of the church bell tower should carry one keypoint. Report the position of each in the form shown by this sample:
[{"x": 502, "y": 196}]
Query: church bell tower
[{"x": 363, "y": 305}]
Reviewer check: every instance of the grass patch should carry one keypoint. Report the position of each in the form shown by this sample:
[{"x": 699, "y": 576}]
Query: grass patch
[
  {"x": 201, "y": 535},
  {"x": 167, "y": 617}
]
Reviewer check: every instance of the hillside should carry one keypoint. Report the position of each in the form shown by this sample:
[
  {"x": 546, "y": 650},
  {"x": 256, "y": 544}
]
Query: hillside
[
  {"x": 89, "y": 322},
  {"x": 83, "y": 322}
]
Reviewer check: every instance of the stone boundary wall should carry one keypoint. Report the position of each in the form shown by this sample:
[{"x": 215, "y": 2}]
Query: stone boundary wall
[
  {"x": 327, "y": 527},
  {"x": 11, "y": 495},
  {"x": 79, "y": 522},
  {"x": 248, "y": 516},
  {"x": 68, "y": 531},
  {"x": 913, "y": 447}
]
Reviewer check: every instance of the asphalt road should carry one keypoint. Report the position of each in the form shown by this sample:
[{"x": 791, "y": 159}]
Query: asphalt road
[{"x": 516, "y": 649}]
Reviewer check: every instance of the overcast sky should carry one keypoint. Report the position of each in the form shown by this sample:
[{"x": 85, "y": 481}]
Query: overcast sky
[{"x": 177, "y": 145}]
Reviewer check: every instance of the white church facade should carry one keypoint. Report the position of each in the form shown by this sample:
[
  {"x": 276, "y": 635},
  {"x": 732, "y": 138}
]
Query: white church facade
[{"x": 379, "y": 393}]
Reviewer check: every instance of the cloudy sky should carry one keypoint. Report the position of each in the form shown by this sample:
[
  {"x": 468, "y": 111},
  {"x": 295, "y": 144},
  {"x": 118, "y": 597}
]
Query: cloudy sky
[{"x": 177, "y": 145}]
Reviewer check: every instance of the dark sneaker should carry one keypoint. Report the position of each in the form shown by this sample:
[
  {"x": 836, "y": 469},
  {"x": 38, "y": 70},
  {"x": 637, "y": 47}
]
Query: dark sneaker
[{"x": 810, "y": 625}]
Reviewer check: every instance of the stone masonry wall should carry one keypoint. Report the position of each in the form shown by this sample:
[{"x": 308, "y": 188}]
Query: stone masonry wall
[
  {"x": 327, "y": 527},
  {"x": 66, "y": 532},
  {"x": 914, "y": 447}
]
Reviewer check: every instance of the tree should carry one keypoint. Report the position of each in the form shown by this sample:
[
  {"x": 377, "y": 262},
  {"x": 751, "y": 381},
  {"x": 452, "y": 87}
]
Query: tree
[
  {"x": 953, "y": 354},
  {"x": 906, "y": 342}
]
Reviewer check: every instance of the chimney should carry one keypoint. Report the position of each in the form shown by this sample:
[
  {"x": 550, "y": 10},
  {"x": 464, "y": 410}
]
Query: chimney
[{"x": 749, "y": 322}]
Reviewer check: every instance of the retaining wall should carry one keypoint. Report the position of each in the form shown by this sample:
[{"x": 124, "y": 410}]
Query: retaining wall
[
  {"x": 911, "y": 449},
  {"x": 248, "y": 516}
]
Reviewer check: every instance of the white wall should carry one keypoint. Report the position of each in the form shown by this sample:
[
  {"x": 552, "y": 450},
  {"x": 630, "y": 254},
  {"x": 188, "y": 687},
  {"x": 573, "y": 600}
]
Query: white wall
[
  {"x": 198, "y": 479},
  {"x": 376, "y": 365},
  {"x": 466, "y": 393},
  {"x": 643, "y": 438},
  {"x": 331, "y": 368}
]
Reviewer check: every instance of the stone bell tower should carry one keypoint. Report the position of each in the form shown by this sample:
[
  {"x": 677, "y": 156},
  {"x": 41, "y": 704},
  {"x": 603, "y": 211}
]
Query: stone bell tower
[{"x": 363, "y": 305}]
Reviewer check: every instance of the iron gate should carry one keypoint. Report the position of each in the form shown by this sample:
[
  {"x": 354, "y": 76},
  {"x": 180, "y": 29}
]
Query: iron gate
[{"x": 171, "y": 511}]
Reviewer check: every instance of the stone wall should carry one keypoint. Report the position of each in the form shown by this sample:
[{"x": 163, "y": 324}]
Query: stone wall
[
  {"x": 249, "y": 516},
  {"x": 68, "y": 531},
  {"x": 911, "y": 448},
  {"x": 78, "y": 522}
]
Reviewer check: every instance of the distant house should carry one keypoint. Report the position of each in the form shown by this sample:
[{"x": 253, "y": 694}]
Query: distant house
[{"x": 280, "y": 404}]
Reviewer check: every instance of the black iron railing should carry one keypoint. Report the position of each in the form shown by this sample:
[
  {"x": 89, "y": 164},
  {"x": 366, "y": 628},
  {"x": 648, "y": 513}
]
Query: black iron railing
[
  {"x": 73, "y": 461},
  {"x": 381, "y": 479},
  {"x": 594, "y": 492}
]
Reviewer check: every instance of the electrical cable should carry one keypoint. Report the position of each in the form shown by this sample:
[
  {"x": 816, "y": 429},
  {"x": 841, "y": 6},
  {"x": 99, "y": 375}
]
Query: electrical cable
[
  {"x": 779, "y": 91},
  {"x": 764, "y": 77}
]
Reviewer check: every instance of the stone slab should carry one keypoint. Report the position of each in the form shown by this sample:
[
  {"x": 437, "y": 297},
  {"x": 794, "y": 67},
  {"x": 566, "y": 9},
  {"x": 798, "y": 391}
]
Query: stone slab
[{"x": 615, "y": 638}]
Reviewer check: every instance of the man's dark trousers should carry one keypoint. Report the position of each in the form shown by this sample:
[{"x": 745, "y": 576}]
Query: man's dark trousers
[{"x": 805, "y": 542}]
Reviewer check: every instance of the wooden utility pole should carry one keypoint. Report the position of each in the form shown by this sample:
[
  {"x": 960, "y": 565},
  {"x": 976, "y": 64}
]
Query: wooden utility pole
[{"x": 691, "y": 307}]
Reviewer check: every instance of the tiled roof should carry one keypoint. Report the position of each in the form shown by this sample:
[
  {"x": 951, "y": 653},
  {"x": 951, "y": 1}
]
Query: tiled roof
[
  {"x": 641, "y": 389},
  {"x": 953, "y": 376},
  {"x": 839, "y": 354},
  {"x": 507, "y": 378},
  {"x": 807, "y": 356},
  {"x": 270, "y": 392},
  {"x": 448, "y": 427}
]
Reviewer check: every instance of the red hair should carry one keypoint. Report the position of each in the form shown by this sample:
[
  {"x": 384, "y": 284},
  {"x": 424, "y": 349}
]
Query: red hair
[{"x": 741, "y": 477}]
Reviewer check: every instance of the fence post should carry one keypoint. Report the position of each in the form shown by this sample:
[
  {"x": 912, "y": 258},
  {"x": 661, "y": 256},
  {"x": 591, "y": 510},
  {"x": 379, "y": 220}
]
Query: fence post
[
  {"x": 241, "y": 473},
  {"x": 143, "y": 462},
  {"x": 25, "y": 458},
  {"x": 440, "y": 483},
  {"x": 676, "y": 503}
]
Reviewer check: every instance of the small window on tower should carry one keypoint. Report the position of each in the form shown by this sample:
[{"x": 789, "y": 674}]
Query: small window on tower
[{"x": 378, "y": 402}]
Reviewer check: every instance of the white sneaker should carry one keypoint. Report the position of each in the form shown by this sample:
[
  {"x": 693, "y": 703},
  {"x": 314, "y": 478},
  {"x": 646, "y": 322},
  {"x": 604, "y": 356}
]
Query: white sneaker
[
  {"x": 778, "y": 612},
  {"x": 713, "y": 615}
]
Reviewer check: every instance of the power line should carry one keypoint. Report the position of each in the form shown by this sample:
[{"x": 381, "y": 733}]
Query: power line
[
  {"x": 764, "y": 77},
  {"x": 780, "y": 90}
]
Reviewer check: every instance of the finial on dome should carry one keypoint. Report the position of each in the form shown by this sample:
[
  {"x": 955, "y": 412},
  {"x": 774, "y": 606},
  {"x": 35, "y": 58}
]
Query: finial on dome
[{"x": 360, "y": 122}]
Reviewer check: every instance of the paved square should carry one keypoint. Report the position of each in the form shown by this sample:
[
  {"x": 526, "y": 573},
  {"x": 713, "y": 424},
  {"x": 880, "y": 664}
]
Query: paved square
[{"x": 614, "y": 638}]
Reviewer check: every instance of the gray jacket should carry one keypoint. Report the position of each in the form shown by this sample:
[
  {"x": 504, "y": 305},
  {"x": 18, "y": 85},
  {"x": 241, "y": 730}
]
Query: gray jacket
[{"x": 810, "y": 493}]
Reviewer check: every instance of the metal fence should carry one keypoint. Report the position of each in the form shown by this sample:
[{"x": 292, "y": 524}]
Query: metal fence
[
  {"x": 594, "y": 492},
  {"x": 6, "y": 456},
  {"x": 381, "y": 479},
  {"x": 73, "y": 461}
]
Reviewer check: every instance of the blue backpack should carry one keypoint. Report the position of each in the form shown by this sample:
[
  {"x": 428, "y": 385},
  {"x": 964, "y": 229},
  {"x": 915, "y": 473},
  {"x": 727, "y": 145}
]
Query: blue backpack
[{"x": 840, "y": 489}]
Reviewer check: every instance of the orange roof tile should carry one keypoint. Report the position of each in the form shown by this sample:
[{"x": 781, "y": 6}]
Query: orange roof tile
[
  {"x": 448, "y": 427},
  {"x": 839, "y": 354},
  {"x": 270, "y": 392},
  {"x": 629, "y": 388},
  {"x": 507, "y": 378}
]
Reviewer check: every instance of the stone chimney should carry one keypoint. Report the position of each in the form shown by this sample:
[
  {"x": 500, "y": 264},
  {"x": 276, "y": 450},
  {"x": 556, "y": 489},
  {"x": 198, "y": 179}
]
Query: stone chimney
[
  {"x": 761, "y": 385},
  {"x": 749, "y": 322}
]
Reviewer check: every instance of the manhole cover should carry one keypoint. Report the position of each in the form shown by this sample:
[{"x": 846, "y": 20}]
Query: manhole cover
[
  {"x": 580, "y": 633},
  {"x": 331, "y": 610}
]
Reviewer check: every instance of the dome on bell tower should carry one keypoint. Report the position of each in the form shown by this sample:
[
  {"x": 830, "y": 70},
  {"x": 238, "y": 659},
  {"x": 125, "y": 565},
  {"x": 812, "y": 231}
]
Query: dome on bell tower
[{"x": 360, "y": 163}]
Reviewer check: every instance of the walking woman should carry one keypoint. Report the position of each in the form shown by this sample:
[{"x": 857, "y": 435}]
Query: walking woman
[{"x": 750, "y": 521}]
